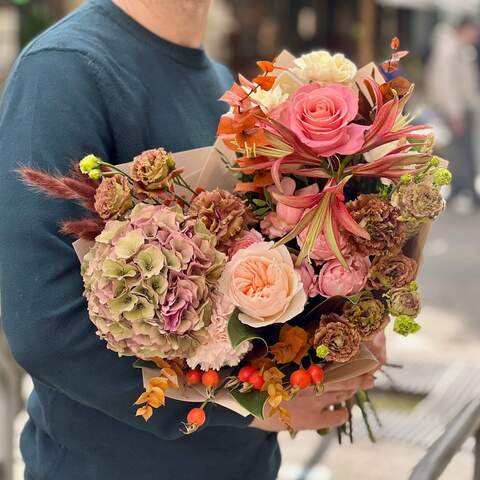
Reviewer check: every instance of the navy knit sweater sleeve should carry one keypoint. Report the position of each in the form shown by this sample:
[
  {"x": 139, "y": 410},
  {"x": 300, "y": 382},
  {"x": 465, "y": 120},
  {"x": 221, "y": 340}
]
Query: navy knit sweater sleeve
[{"x": 67, "y": 97}]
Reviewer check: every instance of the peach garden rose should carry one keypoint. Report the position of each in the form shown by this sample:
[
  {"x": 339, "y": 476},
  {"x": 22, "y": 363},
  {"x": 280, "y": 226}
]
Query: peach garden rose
[{"x": 261, "y": 281}]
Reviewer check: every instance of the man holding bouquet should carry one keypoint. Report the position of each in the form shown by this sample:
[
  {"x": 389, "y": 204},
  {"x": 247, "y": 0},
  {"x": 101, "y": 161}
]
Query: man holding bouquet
[{"x": 114, "y": 78}]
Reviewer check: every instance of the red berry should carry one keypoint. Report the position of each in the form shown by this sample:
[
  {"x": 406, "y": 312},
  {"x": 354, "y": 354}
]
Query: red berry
[
  {"x": 211, "y": 378},
  {"x": 257, "y": 381},
  {"x": 196, "y": 416},
  {"x": 245, "y": 373},
  {"x": 316, "y": 373},
  {"x": 194, "y": 376},
  {"x": 300, "y": 378}
]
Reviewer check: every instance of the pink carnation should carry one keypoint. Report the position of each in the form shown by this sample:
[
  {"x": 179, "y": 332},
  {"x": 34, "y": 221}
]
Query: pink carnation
[
  {"x": 216, "y": 351},
  {"x": 334, "y": 280},
  {"x": 322, "y": 116}
]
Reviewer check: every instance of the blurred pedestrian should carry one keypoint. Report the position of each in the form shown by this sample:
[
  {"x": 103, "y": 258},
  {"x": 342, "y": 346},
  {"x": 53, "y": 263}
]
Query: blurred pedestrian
[{"x": 454, "y": 92}]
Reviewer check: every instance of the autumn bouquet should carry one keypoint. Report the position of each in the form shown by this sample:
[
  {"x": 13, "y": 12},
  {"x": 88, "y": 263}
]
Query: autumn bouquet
[{"x": 247, "y": 290}]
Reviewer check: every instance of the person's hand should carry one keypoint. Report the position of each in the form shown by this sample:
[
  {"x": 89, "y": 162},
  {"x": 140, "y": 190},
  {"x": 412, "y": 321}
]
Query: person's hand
[
  {"x": 378, "y": 346},
  {"x": 310, "y": 411}
]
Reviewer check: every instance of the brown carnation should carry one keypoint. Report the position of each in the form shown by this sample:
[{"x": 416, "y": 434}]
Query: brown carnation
[
  {"x": 404, "y": 301},
  {"x": 391, "y": 271},
  {"x": 340, "y": 338},
  {"x": 419, "y": 200},
  {"x": 224, "y": 214},
  {"x": 113, "y": 197},
  {"x": 152, "y": 168},
  {"x": 368, "y": 316},
  {"x": 381, "y": 220}
]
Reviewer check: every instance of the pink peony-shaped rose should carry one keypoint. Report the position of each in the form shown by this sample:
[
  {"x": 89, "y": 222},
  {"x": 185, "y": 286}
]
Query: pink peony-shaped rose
[
  {"x": 321, "y": 251},
  {"x": 334, "y": 280},
  {"x": 261, "y": 281},
  {"x": 322, "y": 116},
  {"x": 244, "y": 240}
]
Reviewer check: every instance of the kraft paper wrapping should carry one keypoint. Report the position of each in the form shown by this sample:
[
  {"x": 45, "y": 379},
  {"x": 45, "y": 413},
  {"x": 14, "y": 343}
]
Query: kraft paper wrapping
[{"x": 364, "y": 362}]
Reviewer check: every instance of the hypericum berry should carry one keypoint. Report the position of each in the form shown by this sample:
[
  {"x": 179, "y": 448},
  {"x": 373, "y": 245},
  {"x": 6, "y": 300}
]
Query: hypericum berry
[
  {"x": 316, "y": 373},
  {"x": 211, "y": 378},
  {"x": 193, "y": 376},
  {"x": 257, "y": 380},
  {"x": 196, "y": 417},
  {"x": 245, "y": 373},
  {"x": 300, "y": 378}
]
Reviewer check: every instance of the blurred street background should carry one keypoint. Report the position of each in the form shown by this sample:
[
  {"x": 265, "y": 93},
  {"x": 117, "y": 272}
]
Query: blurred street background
[{"x": 441, "y": 364}]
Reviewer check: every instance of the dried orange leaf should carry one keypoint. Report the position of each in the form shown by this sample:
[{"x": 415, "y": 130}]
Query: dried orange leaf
[{"x": 266, "y": 66}]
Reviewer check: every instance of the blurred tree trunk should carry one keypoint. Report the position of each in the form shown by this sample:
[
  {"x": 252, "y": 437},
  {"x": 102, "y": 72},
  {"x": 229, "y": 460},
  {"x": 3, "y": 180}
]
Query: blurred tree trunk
[{"x": 368, "y": 12}]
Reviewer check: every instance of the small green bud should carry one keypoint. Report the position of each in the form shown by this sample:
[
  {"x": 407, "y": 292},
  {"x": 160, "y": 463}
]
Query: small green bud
[
  {"x": 406, "y": 179},
  {"x": 170, "y": 162},
  {"x": 322, "y": 351},
  {"x": 442, "y": 176},
  {"x": 435, "y": 161},
  {"x": 88, "y": 163},
  {"x": 413, "y": 286},
  {"x": 95, "y": 174},
  {"x": 405, "y": 325}
]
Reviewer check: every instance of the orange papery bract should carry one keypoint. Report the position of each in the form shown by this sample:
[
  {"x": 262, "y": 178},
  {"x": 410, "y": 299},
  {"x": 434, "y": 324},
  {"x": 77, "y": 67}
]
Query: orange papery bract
[
  {"x": 266, "y": 66},
  {"x": 265, "y": 82}
]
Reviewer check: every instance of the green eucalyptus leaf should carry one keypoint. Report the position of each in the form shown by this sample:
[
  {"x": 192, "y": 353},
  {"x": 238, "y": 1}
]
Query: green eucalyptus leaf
[
  {"x": 259, "y": 202},
  {"x": 253, "y": 401}
]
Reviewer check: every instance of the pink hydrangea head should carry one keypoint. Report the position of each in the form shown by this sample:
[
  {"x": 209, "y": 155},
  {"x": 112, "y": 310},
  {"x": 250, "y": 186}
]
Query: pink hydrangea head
[
  {"x": 334, "y": 280},
  {"x": 322, "y": 118},
  {"x": 147, "y": 283}
]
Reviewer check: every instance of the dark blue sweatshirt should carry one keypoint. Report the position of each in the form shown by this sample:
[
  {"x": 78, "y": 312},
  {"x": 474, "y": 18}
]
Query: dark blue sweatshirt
[{"x": 99, "y": 82}]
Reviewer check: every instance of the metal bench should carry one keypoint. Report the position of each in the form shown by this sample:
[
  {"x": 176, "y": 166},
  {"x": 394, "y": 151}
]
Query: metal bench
[{"x": 439, "y": 455}]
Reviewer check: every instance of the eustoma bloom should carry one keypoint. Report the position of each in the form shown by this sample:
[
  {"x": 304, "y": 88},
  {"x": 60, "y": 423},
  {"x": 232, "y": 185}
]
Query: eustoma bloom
[{"x": 262, "y": 283}]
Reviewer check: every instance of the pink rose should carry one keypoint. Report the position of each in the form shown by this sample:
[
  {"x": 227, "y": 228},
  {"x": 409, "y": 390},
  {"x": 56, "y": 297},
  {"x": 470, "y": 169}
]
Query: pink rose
[
  {"x": 244, "y": 240},
  {"x": 321, "y": 251},
  {"x": 279, "y": 223},
  {"x": 321, "y": 117},
  {"x": 334, "y": 280},
  {"x": 261, "y": 281}
]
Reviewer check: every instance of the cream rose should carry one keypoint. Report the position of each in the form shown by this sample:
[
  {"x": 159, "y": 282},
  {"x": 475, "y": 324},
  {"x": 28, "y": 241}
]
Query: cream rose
[
  {"x": 262, "y": 283},
  {"x": 270, "y": 99},
  {"x": 321, "y": 66}
]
